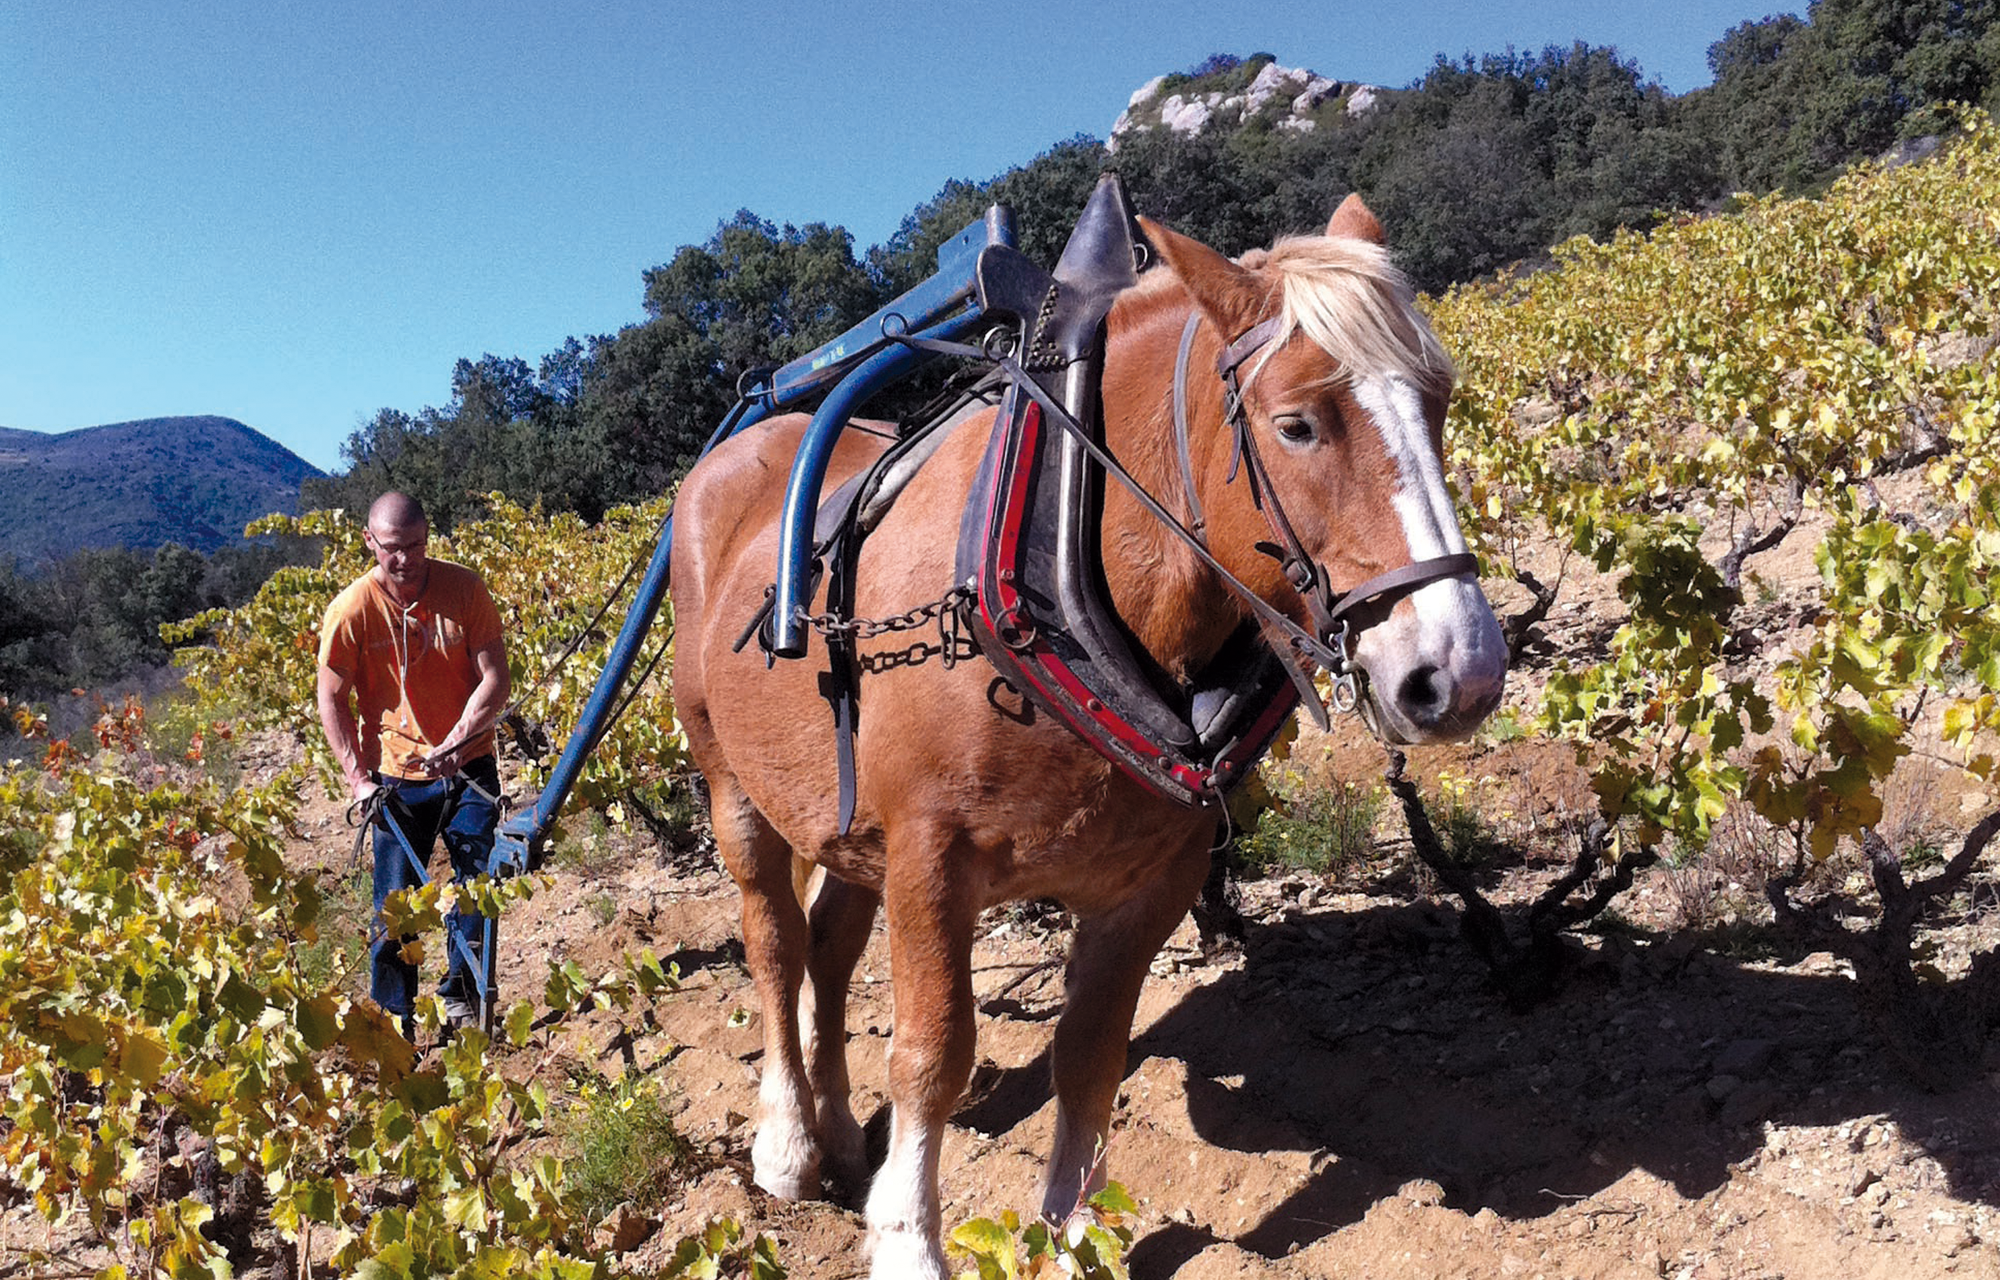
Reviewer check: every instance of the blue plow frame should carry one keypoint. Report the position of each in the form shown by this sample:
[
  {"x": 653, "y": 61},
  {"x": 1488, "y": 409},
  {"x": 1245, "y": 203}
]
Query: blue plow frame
[{"x": 847, "y": 371}]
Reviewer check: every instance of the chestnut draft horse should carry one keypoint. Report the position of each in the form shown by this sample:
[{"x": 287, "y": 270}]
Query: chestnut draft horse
[{"x": 967, "y": 797}]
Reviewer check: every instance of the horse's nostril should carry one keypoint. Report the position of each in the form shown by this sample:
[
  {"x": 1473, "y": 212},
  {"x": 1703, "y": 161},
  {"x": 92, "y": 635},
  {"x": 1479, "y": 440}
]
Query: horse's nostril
[{"x": 1425, "y": 693}]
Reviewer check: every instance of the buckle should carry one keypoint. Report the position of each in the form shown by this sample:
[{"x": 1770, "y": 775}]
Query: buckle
[
  {"x": 1346, "y": 684},
  {"x": 1346, "y": 693}
]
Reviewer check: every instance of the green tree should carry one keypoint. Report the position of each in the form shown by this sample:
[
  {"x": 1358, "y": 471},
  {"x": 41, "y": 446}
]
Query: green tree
[
  {"x": 22, "y": 622},
  {"x": 1045, "y": 194},
  {"x": 1488, "y": 161},
  {"x": 505, "y": 428},
  {"x": 755, "y": 294},
  {"x": 1469, "y": 196},
  {"x": 1795, "y": 101},
  {"x": 762, "y": 294},
  {"x": 1752, "y": 111}
]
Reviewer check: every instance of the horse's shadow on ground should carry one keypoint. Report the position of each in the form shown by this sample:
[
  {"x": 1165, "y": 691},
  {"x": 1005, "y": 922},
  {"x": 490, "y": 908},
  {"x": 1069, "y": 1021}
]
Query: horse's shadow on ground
[{"x": 1372, "y": 1037}]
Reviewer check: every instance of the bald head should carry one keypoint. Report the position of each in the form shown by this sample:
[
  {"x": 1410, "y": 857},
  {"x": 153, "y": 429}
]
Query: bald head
[
  {"x": 397, "y": 511},
  {"x": 396, "y": 533}
]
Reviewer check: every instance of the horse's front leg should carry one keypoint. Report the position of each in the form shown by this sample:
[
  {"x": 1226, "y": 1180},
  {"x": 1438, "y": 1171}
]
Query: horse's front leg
[
  {"x": 931, "y": 914},
  {"x": 784, "y": 1158},
  {"x": 1107, "y": 967},
  {"x": 842, "y": 915}
]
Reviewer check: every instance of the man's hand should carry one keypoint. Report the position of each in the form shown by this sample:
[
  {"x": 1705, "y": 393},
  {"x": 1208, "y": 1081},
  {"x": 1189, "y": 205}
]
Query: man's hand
[
  {"x": 363, "y": 787},
  {"x": 444, "y": 762}
]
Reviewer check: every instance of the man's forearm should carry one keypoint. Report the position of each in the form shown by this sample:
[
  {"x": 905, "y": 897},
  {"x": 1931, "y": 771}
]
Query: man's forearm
[
  {"x": 482, "y": 712},
  {"x": 336, "y": 720}
]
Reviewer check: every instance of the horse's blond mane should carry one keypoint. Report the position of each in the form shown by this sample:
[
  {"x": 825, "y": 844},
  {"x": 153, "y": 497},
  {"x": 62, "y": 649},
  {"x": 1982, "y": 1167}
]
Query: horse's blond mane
[{"x": 1347, "y": 296}]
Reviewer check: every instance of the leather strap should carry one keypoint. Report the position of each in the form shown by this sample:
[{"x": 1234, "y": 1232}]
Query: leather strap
[
  {"x": 1328, "y": 610},
  {"x": 1246, "y": 345},
  {"x": 1197, "y": 522},
  {"x": 1411, "y": 576}
]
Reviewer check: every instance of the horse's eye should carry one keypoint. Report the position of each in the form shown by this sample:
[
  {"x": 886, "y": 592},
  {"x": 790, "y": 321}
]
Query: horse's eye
[{"x": 1295, "y": 430}]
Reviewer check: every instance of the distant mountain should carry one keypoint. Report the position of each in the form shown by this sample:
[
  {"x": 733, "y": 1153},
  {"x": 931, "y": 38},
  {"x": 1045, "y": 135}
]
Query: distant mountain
[{"x": 195, "y": 481}]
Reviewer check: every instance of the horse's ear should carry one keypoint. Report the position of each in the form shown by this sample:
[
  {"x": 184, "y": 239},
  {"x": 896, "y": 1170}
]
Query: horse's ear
[
  {"x": 1231, "y": 297},
  {"x": 1356, "y": 221}
]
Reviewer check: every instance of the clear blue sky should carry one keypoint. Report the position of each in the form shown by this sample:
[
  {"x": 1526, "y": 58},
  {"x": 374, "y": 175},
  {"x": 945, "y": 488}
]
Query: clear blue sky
[{"x": 296, "y": 215}]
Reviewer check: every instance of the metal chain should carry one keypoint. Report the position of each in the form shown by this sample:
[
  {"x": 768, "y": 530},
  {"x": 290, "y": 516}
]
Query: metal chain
[{"x": 833, "y": 626}]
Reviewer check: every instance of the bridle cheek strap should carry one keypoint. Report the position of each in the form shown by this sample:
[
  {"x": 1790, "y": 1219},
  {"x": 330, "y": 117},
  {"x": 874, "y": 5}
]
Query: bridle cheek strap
[{"x": 1328, "y": 610}]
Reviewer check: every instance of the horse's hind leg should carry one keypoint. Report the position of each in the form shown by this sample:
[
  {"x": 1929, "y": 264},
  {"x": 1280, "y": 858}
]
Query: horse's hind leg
[
  {"x": 784, "y": 1157},
  {"x": 1107, "y": 967},
  {"x": 842, "y": 915}
]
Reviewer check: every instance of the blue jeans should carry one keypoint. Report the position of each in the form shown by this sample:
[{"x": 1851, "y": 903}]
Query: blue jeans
[{"x": 466, "y": 819}]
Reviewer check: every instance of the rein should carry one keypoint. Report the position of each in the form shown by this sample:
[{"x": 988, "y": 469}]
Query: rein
[{"x": 1303, "y": 642}]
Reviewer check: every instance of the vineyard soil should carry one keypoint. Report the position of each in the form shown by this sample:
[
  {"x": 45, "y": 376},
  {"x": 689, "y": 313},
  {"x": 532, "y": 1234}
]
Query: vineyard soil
[{"x": 1341, "y": 1096}]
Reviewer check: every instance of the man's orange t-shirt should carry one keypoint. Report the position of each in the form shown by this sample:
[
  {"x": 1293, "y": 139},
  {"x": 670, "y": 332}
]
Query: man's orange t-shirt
[{"x": 412, "y": 669}]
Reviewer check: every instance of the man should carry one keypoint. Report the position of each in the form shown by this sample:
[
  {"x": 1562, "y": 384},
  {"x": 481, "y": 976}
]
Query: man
[{"x": 416, "y": 643}]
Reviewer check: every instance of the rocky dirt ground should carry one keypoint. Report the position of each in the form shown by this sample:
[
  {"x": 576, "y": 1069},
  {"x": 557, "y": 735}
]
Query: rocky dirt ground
[{"x": 1343, "y": 1095}]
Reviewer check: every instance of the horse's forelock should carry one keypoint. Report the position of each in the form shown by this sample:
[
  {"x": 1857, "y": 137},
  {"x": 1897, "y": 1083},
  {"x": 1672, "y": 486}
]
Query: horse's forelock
[{"x": 1348, "y": 297}]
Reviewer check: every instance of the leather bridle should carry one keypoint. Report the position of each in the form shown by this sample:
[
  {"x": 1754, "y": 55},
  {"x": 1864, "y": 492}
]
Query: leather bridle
[
  {"x": 1327, "y": 644},
  {"x": 1330, "y": 611}
]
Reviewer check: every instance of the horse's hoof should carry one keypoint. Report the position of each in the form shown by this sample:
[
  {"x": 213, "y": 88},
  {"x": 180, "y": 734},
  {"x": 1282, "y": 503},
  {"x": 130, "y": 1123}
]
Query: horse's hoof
[
  {"x": 797, "y": 1187},
  {"x": 846, "y": 1162},
  {"x": 906, "y": 1255},
  {"x": 787, "y": 1170}
]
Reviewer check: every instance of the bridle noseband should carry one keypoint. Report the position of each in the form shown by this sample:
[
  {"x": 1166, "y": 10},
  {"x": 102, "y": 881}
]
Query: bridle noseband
[{"x": 1329, "y": 611}]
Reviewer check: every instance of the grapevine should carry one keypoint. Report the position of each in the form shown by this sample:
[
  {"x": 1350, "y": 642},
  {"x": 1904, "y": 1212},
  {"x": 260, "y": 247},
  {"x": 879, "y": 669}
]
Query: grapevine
[
  {"x": 1651, "y": 396},
  {"x": 152, "y": 983}
]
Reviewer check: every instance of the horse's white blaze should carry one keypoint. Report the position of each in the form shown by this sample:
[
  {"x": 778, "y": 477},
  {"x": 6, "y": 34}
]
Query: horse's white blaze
[
  {"x": 1430, "y": 524},
  {"x": 1456, "y": 629}
]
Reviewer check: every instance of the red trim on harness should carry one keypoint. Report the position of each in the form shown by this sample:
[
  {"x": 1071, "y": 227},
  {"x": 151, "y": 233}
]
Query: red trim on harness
[
  {"x": 1101, "y": 721},
  {"x": 1253, "y": 743},
  {"x": 1008, "y": 532}
]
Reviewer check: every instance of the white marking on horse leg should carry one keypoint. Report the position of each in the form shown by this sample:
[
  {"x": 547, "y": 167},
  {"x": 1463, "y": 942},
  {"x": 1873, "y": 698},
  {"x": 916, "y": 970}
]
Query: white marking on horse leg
[
  {"x": 825, "y": 1043},
  {"x": 903, "y": 1208},
  {"x": 1108, "y": 961},
  {"x": 841, "y": 916},
  {"x": 784, "y": 1157},
  {"x": 1075, "y": 1170},
  {"x": 931, "y": 913}
]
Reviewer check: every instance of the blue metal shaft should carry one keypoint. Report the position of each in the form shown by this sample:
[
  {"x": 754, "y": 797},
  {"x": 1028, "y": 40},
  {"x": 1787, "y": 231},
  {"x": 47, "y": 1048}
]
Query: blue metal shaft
[
  {"x": 919, "y": 308},
  {"x": 856, "y": 365},
  {"x": 536, "y": 821},
  {"x": 481, "y": 961},
  {"x": 795, "y": 523},
  {"x": 844, "y": 360},
  {"x": 520, "y": 835}
]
